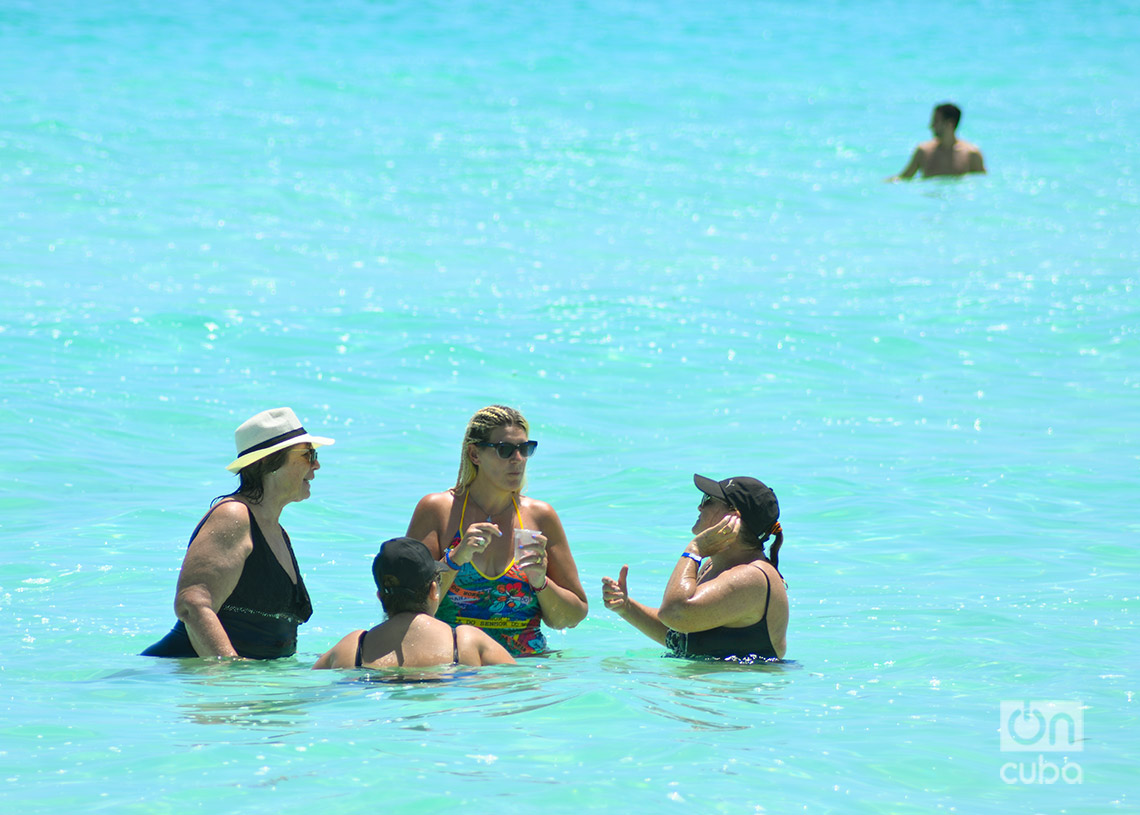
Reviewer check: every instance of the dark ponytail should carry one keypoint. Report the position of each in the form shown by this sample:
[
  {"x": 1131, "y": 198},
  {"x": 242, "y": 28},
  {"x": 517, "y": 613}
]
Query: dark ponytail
[
  {"x": 774, "y": 549},
  {"x": 751, "y": 539}
]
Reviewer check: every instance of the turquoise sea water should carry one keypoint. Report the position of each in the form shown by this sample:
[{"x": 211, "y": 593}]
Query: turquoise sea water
[{"x": 659, "y": 229}]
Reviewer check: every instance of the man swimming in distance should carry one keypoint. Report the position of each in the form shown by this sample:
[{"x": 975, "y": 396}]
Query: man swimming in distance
[{"x": 945, "y": 154}]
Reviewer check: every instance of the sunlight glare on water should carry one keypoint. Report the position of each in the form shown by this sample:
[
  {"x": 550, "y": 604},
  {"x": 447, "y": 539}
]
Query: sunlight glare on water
[{"x": 660, "y": 230}]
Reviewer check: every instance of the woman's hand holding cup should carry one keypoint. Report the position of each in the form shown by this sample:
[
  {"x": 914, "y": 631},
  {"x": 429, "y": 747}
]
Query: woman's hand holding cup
[{"x": 530, "y": 555}]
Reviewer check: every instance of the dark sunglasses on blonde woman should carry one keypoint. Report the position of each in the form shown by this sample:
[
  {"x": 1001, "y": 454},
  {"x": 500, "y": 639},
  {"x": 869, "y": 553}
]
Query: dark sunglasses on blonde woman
[{"x": 506, "y": 449}]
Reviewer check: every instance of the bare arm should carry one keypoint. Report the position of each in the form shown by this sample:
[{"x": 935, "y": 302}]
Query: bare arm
[
  {"x": 428, "y": 521},
  {"x": 210, "y": 571},
  {"x": 730, "y": 598},
  {"x": 977, "y": 165},
  {"x": 563, "y": 600},
  {"x": 341, "y": 655},
  {"x": 429, "y": 524},
  {"x": 913, "y": 167},
  {"x": 486, "y": 649},
  {"x": 615, "y": 596}
]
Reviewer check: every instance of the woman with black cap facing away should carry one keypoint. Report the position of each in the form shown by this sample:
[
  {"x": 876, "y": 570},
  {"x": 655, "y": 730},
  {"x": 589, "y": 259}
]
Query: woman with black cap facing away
[
  {"x": 726, "y": 597},
  {"x": 240, "y": 593},
  {"x": 407, "y": 583}
]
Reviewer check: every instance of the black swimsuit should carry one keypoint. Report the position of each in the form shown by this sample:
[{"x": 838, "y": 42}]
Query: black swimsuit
[
  {"x": 263, "y": 611},
  {"x": 723, "y": 642},
  {"x": 454, "y": 648}
]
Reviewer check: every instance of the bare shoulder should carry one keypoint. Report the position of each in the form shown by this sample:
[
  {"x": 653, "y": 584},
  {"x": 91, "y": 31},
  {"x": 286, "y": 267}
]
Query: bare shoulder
[
  {"x": 348, "y": 643},
  {"x": 430, "y": 519},
  {"x": 437, "y": 500},
  {"x": 487, "y": 650},
  {"x": 973, "y": 157},
  {"x": 539, "y": 509},
  {"x": 470, "y": 634},
  {"x": 765, "y": 573},
  {"x": 228, "y": 520},
  {"x": 343, "y": 654},
  {"x": 434, "y": 508},
  {"x": 752, "y": 572}
]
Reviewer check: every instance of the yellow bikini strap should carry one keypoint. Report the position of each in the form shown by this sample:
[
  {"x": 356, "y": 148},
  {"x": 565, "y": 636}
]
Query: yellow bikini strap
[{"x": 463, "y": 511}]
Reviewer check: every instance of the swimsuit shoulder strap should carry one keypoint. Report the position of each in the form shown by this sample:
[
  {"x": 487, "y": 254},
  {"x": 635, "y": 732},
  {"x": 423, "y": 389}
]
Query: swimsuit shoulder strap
[
  {"x": 463, "y": 511},
  {"x": 360, "y": 649},
  {"x": 463, "y": 514},
  {"x": 767, "y": 594},
  {"x": 210, "y": 511},
  {"x": 767, "y": 588}
]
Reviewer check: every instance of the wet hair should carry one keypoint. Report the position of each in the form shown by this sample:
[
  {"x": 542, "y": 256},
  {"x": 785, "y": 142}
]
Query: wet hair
[
  {"x": 754, "y": 541},
  {"x": 950, "y": 112},
  {"x": 397, "y": 599},
  {"x": 479, "y": 429},
  {"x": 252, "y": 486}
]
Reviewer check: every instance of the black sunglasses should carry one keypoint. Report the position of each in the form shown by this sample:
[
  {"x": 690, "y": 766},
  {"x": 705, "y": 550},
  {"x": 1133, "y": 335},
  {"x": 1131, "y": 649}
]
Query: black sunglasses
[
  {"x": 708, "y": 499},
  {"x": 311, "y": 455},
  {"x": 505, "y": 449}
]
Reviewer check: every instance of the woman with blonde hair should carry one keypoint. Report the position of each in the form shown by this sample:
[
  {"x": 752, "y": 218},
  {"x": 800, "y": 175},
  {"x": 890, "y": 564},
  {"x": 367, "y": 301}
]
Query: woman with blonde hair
[{"x": 470, "y": 528}]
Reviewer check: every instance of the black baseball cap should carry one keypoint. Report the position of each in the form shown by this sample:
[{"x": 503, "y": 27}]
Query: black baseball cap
[
  {"x": 753, "y": 499},
  {"x": 404, "y": 564}
]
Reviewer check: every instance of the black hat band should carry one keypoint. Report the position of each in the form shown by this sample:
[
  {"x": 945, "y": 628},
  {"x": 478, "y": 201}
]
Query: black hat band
[{"x": 292, "y": 434}]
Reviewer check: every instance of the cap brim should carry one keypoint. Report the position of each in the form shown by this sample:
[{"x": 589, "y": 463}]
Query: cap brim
[
  {"x": 710, "y": 487},
  {"x": 244, "y": 461}
]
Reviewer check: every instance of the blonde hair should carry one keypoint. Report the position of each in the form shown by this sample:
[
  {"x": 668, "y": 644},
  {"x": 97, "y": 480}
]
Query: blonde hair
[{"x": 479, "y": 429}]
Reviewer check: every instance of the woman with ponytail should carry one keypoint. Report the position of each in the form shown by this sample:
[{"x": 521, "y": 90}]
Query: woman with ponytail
[{"x": 726, "y": 598}]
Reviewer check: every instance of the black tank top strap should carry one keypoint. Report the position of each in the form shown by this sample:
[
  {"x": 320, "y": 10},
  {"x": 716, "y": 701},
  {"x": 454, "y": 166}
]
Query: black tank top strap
[
  {"x": 264, "y": 586},
  {"x": 767, "y": 595},
  {"x": 767, "y": 588},
  {"x": 210, "y": 512},
  {"x": 360, "y": 649},
  {"x": 723, "y": 642},
  {"x": 263, "y": 610}
]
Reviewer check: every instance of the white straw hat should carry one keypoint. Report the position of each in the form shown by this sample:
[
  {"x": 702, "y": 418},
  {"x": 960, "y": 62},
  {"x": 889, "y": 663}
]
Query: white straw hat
[{"x": 268, "y": 432}]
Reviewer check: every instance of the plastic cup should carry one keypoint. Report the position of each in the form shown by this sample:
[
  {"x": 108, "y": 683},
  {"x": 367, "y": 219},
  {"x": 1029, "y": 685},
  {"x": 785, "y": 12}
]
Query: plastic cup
[{"x": 522, "y": 537}]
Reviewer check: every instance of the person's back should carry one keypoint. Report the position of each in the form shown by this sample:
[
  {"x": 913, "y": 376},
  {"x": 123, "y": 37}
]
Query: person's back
[
  {"x": 956, "y": 158},
  {"x": 407, "y": 578},
  {"x": 422, "y": 641}
]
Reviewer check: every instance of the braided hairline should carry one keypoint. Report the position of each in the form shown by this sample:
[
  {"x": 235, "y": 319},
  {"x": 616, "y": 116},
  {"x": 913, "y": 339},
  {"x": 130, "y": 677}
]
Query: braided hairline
[{"x": 479, "y": 429}]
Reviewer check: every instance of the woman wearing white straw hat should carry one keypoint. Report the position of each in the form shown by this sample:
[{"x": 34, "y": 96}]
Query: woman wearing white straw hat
[{"x": 240, "y": 593}]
